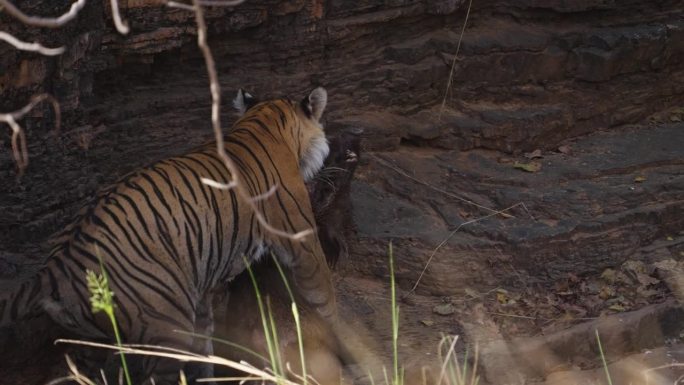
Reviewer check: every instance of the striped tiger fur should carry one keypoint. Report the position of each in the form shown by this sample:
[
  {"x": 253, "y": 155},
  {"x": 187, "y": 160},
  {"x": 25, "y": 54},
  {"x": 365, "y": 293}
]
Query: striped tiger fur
[{"x": 168, "y": 242}]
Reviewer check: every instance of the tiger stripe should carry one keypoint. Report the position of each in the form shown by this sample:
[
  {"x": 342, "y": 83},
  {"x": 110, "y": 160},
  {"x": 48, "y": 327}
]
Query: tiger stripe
[{"x": 167, "y": 241}]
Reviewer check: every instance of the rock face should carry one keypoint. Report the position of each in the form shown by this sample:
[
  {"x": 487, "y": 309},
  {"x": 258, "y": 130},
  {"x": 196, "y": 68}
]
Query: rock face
[
  {"x": 596, "y": 85},
  {"x": 529, "y": 74}
]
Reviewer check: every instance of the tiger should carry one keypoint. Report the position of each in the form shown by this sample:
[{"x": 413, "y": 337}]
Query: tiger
[
  {"x": 169, "y": 242},
  {"x": 325, "y": 356}
]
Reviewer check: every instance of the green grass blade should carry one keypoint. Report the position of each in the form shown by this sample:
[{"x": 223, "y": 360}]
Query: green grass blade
[{"x": 603, "y": 358}]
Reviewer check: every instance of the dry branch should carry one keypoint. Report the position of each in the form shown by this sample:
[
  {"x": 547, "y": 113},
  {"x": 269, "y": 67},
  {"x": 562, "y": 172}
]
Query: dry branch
[
  {"x": 37, "y": 21},
  {"x": 32, "y": 47},
  {"x": 120, "y": 25},
  {"x": 218, "y": 133},
  {"x": 434, "y": 251},
  {"x": 19, "y": 148}
]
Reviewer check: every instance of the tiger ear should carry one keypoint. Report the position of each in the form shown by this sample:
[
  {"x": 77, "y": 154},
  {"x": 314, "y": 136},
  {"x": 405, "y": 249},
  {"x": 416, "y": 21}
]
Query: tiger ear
[
  {"x": 314, "y": 104},
  {"x": 244, "y": 101}
]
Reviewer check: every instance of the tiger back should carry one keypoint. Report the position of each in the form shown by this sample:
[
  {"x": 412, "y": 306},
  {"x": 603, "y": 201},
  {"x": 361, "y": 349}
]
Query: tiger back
[{"x": 168, "y": 241}]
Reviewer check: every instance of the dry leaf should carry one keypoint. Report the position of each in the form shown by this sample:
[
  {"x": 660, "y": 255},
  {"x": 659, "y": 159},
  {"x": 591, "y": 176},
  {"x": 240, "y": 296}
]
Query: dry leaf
[
  {"x": 501, "y": 297},
  {"x": 427, "y": 322},
  {"x": 646, "y": 280},
  {"x": 617, "y": 307},
  {"x": 564, "y": 149},
  {"x": 639, "y": 179},
  {"x": 444, "y": 309},
  {"x": 647, "y": 293},
  {"x": 608, "y": 275},
  {"x": 534, "y": 154},
  {"x": 606, "y": 292},
  {"x": 633, "y": 265},
  {"x": 471, "y": 293},
  {"x": 528, "y": 167}
]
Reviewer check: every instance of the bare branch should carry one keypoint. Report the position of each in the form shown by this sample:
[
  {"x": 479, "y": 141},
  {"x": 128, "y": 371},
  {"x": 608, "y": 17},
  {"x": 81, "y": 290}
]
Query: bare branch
[
  {"x": 47, "y": 22},
  {"x": 19, "y": 148},
  {"x": 32, "y": 47},
  {"x": 218, "y": 133},
  {"x": 428, "y": 185},
  {"x": 120, "y": 25},
  {"x": 432, "y": 255}
]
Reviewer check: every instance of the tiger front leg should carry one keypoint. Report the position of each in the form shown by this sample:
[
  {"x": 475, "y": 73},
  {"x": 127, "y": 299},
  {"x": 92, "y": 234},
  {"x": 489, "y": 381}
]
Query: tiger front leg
[{"x": 311, "y": 275}]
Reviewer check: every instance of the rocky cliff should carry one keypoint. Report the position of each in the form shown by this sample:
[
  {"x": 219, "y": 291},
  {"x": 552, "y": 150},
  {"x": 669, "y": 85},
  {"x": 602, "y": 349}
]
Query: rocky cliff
[{"x": 596, "y": 85}]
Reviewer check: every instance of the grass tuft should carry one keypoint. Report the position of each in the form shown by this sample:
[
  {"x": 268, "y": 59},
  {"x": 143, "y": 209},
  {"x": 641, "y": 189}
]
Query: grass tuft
[{"x": 102, "y": 299}]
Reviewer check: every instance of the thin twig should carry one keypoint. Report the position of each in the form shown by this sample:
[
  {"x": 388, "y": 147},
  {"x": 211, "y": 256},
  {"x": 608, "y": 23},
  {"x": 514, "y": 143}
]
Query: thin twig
[
  {"x": 218, "y": 133},
  {"x": 539, "y": 318},
  {"x": 120, "y": 25},
  {"x": 37, "y": 21},
  {"x": 426, "y": 184},
  {"x": 453, "y": 64},
  {"x": 449, "y": 237},
  {"x": 32, "y": 47},
  {"x": 19, "y": 148}
]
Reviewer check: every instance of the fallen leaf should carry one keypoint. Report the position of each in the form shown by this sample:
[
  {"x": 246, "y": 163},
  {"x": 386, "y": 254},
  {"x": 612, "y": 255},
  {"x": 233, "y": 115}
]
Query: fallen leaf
[
  {"x": 647, "y": 292},
  {"x": 427, "y": 322},
  {"x": 606, "y": 292},
  {"x": 564, "y": 149},
  {"x": 669, "y": 238},
  {"x": 528, "y": 167},
  {"x": 675, "y": 118},
  {"x": 666, "y": 265},
  {"x": 471, "y": 293},
  {"x": 608, "y": 275},
  {"x": 617, "y": 307},
  {"x": 639, "y": 179},
  {"x": 444, "y": 309},
  {"x": 501, "y": 297},
  {"x": 625, "y": 278},
  {"x": 534, "y": 154},
  {"x": 646, "y": 280}
]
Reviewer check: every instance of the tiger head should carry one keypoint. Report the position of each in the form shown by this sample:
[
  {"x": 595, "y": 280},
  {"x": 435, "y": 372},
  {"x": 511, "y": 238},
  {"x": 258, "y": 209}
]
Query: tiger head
[{"x": 310, "y": 143}]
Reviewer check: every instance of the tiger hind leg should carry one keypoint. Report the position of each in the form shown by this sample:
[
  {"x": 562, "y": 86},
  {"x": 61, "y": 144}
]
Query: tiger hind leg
[{"x": 202, "y": 344}]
